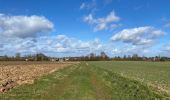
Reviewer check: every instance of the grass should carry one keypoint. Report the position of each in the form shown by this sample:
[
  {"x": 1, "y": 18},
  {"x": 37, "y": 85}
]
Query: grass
[
  {"x": 154, "y": 74},
  {"x": 87, "y": 81}
]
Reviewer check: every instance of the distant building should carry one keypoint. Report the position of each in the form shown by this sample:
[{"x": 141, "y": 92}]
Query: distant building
[
  {"x": 26, "y": 59},
  {"x": 66, "y": 59},
  {"x": 52, "y": 59}
]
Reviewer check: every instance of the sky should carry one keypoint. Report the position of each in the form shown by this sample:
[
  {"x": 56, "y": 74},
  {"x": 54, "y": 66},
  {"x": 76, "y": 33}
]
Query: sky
[{"x": 78, "y": 27}]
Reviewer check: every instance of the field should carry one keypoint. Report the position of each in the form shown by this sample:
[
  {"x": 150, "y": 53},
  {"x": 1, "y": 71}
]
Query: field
[
  {"x": 18, "y": 73},
  {"x": 153, "y": 74},
  {"x": 97, "y": 81}
]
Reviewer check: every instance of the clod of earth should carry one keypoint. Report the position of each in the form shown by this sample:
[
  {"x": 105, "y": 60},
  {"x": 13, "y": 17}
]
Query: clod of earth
[{"x": 7, "y": 85}]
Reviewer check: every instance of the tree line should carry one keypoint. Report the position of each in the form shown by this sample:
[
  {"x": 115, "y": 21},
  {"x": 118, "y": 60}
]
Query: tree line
[
  {"x": 90, "y": 57},
  {"x": 18, "y": 57}
]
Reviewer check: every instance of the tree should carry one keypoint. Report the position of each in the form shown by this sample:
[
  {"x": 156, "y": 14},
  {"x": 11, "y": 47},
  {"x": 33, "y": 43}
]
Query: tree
[
  {"x": 103, "y": 56},
  {"x": 135, "y": 57},
  {"x": 92, "y": 56},
  {"x": 41, "y": 57},
  {"x": 17, "y": 56},
  {"x": 124, "y": 57}
]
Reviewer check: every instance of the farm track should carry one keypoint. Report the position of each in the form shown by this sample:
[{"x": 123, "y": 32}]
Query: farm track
[{"x": 83, "y": 82}]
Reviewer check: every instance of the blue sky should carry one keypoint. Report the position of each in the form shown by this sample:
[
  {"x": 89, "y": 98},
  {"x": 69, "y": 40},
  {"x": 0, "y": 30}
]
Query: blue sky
[{"x": 79, "y": 27}]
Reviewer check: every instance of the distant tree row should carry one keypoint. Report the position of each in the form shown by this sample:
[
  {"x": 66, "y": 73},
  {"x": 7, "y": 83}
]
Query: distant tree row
[
  {"x": 104, "y": 57},
  {"x": 90, "y": 57},
  {"x": 17, "y": 57},
  {"x": 135, "y": 57}
]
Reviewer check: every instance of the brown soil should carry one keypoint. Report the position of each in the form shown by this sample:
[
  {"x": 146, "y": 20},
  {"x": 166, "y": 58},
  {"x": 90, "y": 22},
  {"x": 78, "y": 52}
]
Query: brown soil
[{"x": 20, "y": 72}]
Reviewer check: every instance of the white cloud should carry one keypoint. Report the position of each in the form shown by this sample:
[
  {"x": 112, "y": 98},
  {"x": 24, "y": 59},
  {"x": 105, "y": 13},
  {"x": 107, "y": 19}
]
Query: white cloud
[
  {"x": 111, "y": 18},
  {"x": 107, "y": 2},
  {"x": 138, "y": 36},
  {"x": 128, "y": 50},
  {"x": 93, "y": 4},
  {"x": 132, "y": 49},
  {"x": 83, "y": 5},
  {"x": 24, "y": 26},
  {"x": 114, "y": 26},
  {"x": 88, "y": 5},
  {"x": 13, "y": 45},
  {"x": 166, "y": 48},
  {"x": 167, "y": 25},
  {"x": 65, "y": 44},
  {"x": 50, "y": 45},
  {"x": 101, "y": 26},
  {"x": 62, "y": 45},
  {"x": 163, "y": 19},
  {"x": 157, "y": 33},
  {"x": 102, "y": 23},
  {"x": 89, "y": 19}
]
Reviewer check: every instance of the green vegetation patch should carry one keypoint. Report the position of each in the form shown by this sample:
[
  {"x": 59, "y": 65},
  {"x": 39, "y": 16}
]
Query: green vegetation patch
[
  {"x": 82, "y": 82},
  {"x": 153, "y": 74}
]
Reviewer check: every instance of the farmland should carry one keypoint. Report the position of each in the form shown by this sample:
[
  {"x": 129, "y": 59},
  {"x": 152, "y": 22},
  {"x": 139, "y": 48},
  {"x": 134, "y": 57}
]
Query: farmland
[
  {"x": 97, "y": 81},
  {"x": 18, "y": 73},
  {"x": 153, "y": 74}
]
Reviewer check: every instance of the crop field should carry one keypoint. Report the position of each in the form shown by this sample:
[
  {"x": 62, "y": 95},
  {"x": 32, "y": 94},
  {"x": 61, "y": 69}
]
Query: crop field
[
  {"x": 17, "y": 73},
  {"x": 120, "y": 80},
  {"x": 153, "y": 74}
]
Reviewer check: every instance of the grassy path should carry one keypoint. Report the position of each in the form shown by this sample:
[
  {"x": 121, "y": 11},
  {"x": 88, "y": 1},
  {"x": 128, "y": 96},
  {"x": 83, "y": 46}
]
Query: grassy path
[{"x": 82, "y": 82}]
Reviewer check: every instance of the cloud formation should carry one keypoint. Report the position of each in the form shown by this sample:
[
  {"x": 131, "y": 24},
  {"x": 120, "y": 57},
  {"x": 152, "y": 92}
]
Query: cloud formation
[
  {"x": 24, "y": 26},
  {"x": 166, "y": 48},
  {"x": 88, "y": 5},
  {"x": 167, "y": 25},
  {"x": 131, "y": 49},
  {"x": 102, "y": 23},
  {"x": 61, "y": 44},
  {"x": 138, "y": 36}
]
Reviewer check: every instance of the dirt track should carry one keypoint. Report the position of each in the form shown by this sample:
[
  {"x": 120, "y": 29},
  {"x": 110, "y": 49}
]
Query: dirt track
[{"x": 17, "y": 73}]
